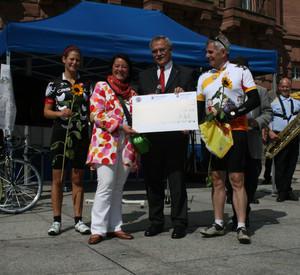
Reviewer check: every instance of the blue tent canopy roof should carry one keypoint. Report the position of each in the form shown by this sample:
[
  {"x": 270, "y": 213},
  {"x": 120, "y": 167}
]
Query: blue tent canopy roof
[{"x": 102, "y": 30}]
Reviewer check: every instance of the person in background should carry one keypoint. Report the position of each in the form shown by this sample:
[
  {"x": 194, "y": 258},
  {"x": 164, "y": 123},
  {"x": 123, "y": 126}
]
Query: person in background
[
  {"x": 268, "y": 162},
  {"x": 60, "y": 94},
  {"x": 257, "y": 119},
  {"x": 237, "y": 82},
  {"x": 111, "y": 151},
  {"x": 284, "y": 111},
  {"x": 169, "y": 149}
]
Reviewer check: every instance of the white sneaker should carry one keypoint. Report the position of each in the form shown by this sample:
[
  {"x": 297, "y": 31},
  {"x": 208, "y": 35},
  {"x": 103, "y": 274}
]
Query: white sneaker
[
  {"x": 243, "y": 235},
  {"x": 82, "y": 228},
  {"x": 55, "y": 228},
  {"x": 213, "y": 230}
]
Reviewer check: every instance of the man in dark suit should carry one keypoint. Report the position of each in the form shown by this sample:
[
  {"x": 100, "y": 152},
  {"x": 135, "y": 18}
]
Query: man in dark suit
[{"x": 169, "y": 149}]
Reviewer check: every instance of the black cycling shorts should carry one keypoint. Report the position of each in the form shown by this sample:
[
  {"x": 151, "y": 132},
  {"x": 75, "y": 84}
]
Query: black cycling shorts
[
  {"x": 80, "y": 149},
  {"x": 234, "y": 160}
]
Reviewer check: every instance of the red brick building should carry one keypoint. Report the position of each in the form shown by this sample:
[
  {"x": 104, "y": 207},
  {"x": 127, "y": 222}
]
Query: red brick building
[{"x": 262, "y": 24}]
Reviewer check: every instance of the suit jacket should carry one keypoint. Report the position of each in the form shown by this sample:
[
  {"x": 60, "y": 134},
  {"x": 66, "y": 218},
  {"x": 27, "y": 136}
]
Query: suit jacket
[
  {"x": 180, "y": 76},
  {"x": 263, "y": 115}
]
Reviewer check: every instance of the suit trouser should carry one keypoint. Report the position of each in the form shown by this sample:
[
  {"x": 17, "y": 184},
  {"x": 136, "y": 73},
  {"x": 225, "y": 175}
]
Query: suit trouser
[
  {"x": 268, "y": 166},
  {"x": 168, "y": 152},
  {"x": 107, "y": 207},
  {"x": 285, "y": 164}
]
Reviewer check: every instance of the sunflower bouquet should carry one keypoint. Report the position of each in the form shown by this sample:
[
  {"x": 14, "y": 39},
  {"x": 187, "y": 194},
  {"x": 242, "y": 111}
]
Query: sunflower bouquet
[
  {"x": 75, "y": 106},
  {"x": 219, "y": 106}
]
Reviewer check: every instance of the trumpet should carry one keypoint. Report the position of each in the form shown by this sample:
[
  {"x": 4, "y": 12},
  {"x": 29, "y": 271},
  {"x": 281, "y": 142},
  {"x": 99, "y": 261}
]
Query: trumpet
[{"x": 285, "y": 137}]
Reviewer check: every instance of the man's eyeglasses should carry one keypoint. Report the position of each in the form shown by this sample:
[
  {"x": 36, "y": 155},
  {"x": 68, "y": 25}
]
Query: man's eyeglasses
[{"x": 162, "y": 50}]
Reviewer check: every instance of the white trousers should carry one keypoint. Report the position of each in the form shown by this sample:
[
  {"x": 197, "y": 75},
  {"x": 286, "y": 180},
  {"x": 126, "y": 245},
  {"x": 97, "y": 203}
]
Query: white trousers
[{"x": 107, "y": 207}]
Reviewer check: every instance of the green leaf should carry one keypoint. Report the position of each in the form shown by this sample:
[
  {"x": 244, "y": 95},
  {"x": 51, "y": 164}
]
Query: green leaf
[
  {"x": 222, "y": 114},
  {"x": 210, "y": 117},
  {"x": 77, "y": 134},
  {"x": 217, "y": 106},
  {"x": 79, "y": 125},
  {"x": 208, "y": 181},
  {"x": 54, "y": 160},
  {"x": 76, "y": 114},
  {"x": 69, "y": 142},
  {"x": 65, "y": 103},
  {"x": 70, "y": 154},
  {"x": 217, "y": 94},
  {"x": 55, "y": 145}
]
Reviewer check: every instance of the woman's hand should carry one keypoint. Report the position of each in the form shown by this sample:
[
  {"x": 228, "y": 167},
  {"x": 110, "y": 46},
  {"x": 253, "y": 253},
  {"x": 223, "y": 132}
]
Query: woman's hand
[
  {"x": 51, "y": 114},
  {"x": 128, "y": 130},
  {"x": 65, "y": 113}
]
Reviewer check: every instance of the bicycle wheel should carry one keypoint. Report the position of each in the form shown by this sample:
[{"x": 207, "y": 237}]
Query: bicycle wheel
[{"x": 21, "y": 185}]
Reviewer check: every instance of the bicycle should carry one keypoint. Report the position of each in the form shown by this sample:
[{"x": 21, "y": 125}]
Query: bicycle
[{"x": 20, "y": 181}]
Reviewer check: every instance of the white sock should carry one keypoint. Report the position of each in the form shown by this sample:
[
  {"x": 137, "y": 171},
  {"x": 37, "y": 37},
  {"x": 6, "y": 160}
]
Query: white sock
[
  {"x": 241, "y": 224},
  {"x": 219, "y": 222}
]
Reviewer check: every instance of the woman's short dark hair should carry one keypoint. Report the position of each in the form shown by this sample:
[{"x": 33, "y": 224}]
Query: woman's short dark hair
[{"x": 128, "y": 61}]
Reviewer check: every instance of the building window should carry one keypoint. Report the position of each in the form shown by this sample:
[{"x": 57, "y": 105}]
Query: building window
[
  {"x": 253, "y": 5},
  {"x": 296, "y": 73},
  {"x": 246, "y": 4}
]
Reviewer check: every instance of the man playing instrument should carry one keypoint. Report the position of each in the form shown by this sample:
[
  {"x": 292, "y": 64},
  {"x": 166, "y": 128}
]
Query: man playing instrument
[{"x": 284, "y": 111}]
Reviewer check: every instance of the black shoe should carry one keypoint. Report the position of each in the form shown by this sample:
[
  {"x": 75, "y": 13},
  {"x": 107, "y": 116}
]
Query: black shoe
[
  {"x": 154, "y": 230},
  {"x": 178, "y": 232},
  {"x": 228, "y": 200},
  {"x": 266, "y": 182},
  {"x": 255, "y": 201},
  {"x": 292, "y": 197},
  {"x": 282, "y": 197}
]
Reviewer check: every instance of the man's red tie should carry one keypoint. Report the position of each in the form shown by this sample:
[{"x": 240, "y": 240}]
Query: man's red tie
[{"x": 161, "y": 79}]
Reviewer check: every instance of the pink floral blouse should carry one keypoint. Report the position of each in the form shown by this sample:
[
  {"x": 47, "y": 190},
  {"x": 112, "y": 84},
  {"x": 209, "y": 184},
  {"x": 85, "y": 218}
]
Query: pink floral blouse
[{"x": 107, "y": 112}]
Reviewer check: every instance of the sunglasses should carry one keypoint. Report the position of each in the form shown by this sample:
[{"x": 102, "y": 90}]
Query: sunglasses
[
  {"x": 219, "y": 40},
  {"x": 162, "y": 50}
]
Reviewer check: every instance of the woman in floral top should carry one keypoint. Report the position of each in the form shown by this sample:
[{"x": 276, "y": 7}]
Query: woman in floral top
[
  {"x": 111, "y": 151},
  {"x": 67, "y": 102}
]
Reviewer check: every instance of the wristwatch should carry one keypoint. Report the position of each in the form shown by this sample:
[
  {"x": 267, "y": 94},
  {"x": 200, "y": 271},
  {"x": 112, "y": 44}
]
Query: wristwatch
[{"x": 232, "y": 113}]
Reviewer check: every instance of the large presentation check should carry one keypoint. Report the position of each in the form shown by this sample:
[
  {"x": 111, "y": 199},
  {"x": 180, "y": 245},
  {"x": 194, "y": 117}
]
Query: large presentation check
[{"x": 165, "y": 112}]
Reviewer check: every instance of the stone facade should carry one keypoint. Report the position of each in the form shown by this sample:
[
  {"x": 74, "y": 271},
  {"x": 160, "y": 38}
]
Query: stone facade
[{"x": 262, "y": 24}]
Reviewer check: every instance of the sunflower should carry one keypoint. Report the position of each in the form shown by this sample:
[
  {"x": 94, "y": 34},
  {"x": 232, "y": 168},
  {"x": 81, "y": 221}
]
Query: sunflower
[
  {"x": 77, "y": 90},
  {"x": 226, "y": 82}
]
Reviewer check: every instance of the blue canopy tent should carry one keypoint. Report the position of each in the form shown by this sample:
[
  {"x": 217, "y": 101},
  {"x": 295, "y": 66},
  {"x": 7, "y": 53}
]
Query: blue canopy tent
[{"x": 102, "y": 30}]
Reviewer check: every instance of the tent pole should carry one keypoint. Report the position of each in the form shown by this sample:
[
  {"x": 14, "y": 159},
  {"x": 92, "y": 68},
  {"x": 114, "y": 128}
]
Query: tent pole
[
  {"x": 8, "y": 54},
  {"x": 273, "y": 166},
  {"x": 26, "y": 128}
]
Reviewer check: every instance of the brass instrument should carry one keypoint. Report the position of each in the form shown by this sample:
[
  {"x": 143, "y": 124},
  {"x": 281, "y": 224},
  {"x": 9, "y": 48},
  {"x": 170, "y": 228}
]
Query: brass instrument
[{"x": 285, "y": 136}]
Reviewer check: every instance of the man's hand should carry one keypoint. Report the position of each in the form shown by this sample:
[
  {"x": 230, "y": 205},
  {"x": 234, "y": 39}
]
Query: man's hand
[
  {"x": 178, "y": 90},
  {"x": 223, "y": 117},
  {"x": 273, "y": 135},
  {"x": 253, "y": 123}
]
